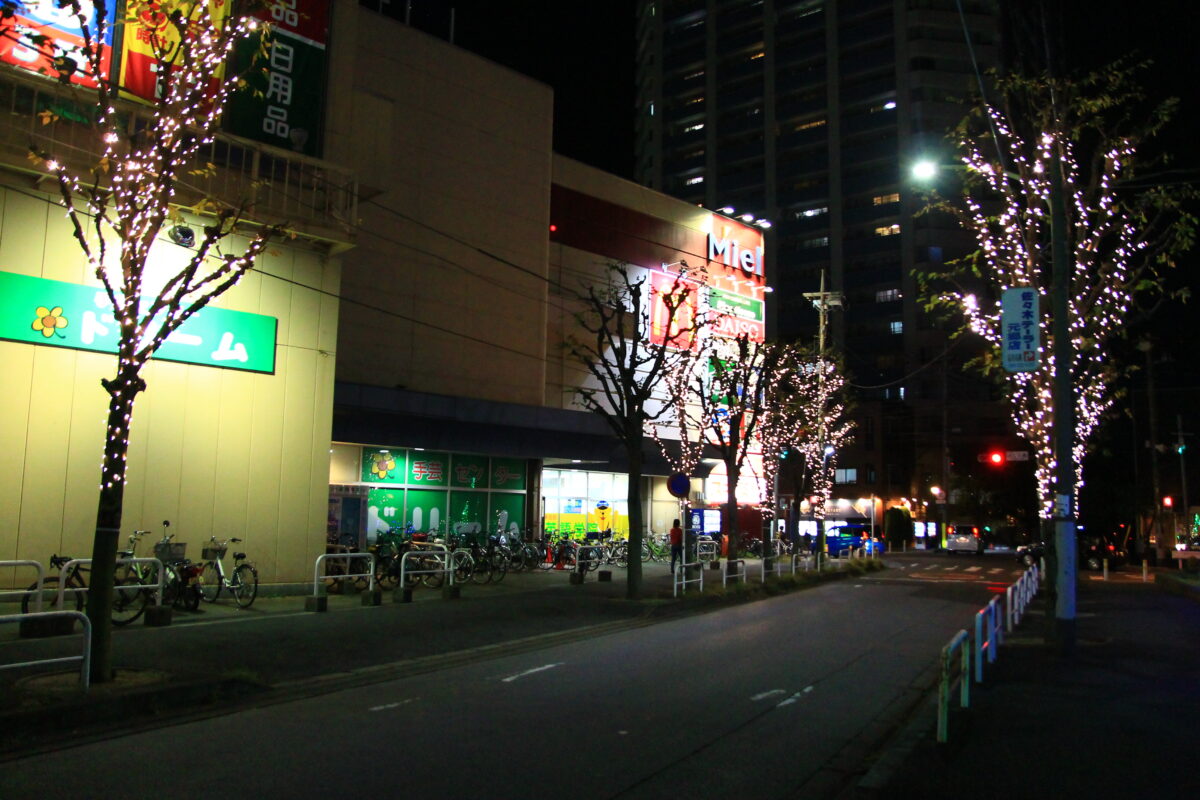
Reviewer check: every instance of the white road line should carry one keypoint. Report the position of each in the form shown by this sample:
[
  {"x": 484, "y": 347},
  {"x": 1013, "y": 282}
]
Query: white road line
[
  {"x": 950, "y": 568},
  {"x": 386, "y": 706},
  {"x": 974, "y": 569},
  {"x": 794, "y": 697},
  {"x": 915, "y": 564},
  {"x": 994, "y": 570},
  {"x": 542, "y": 668},
  {"x": 765, "y": 695}
]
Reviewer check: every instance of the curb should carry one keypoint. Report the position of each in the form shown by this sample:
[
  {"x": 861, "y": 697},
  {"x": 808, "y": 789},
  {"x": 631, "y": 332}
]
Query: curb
[{"x": 1171, "y": 584}]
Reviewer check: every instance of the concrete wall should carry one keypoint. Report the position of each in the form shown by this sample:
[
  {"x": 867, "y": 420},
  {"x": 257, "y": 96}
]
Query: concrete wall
[
  {"x": 453, "y": 154},
  {"x": 216, "y": 451}
]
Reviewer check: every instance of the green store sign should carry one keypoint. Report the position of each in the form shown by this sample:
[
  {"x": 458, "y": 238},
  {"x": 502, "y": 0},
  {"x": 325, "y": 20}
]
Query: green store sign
[{"x": 59, "y": 314}]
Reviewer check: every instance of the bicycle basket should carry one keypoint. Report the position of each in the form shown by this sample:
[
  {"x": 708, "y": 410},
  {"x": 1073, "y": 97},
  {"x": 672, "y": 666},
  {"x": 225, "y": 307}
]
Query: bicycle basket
[
  {"x": 170, "y": 551},
  {"x": 212, "y": 553}
]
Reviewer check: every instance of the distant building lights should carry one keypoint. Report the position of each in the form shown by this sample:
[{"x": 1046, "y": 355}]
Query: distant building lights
[
  {"x": 726, "y": 209},
  {"x": 747, "y": 218},
  {"x": 889, "y": 105}
]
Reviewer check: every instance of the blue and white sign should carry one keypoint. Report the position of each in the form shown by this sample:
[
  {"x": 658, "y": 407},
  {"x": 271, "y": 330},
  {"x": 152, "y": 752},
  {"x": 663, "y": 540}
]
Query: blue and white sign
[{"x": 1021, "y": 327}]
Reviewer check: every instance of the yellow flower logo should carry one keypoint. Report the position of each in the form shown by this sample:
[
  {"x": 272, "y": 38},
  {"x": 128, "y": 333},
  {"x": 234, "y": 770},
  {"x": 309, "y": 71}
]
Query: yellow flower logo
[
  {"x": 382, "y": 464},
  {"x": 49, "y": 320}
]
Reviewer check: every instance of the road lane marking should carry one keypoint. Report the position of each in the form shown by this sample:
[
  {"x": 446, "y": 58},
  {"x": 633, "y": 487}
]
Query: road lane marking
[
  {"x": 794, "y": 697},
  {"x": 765, "y": 695},
  {"x": 950, "y": 568},
  {"x": 386, "y": 706},
  {"x": 533, "y": 671},
  {"x": 973, "y": 569},
  {"x": 994, "y": 570}
]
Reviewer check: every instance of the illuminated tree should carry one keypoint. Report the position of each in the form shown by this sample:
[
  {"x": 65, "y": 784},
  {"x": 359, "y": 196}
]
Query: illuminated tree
[
  {"x": 121, "y": 195},
  {"x": 1122, "y": 230},
  {"x": 639, "y": 331}
]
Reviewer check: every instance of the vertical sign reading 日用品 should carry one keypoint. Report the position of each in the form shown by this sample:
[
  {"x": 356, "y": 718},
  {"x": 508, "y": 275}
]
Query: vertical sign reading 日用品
[{"x": 283, "y": 101}]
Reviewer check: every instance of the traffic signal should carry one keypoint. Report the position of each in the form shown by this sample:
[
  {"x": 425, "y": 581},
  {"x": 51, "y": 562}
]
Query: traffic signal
[
  {"x": 1168, "y": 502},
  {"x": 994, "y": 458}
]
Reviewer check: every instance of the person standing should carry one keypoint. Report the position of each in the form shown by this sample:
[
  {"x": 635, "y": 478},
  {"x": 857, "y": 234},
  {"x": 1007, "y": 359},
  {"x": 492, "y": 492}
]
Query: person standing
[{"x": 676, "y": 536}]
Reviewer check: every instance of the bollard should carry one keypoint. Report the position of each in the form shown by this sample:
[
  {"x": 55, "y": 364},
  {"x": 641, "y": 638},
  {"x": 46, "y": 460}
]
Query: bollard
[
  {"x": 158, "y": 616},
  {"x": 1105, "y": 562},
  {"x": 372, "y": 597},
  {"x": 576, "y": 578},
  {"x": 402, "y": 594},
  {"x": 451, "y": 591},
  {"x": 604, "y": 576},
  {"x": 1145, "y": 571},
  {"x": 318, "y": 604}
]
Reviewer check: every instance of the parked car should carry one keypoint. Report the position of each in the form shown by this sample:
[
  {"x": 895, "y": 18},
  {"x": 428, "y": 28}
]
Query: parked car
[
  {"x": 965, "y": 539},
  {"x": 842, "y": 538},
  {"x": 1093, "y": 550}
]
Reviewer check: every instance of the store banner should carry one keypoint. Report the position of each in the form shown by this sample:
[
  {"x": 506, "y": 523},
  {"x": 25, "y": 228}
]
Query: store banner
[
  {"x": 385, "y": 510},
  {"x": 469, "y": 472},
  {"x": 60, "y": 53},
  {"x": 283, "y": 101},
  {"x": 736, "y": 314},
  {"x": 428, "y": 469},
  {"x": 425, "y": 510},
  {"x": 59, "y": 314},
  {"x": 384, "y": 465},
  {"x": 506, "y": 513},
  {"x": 508, "y": 473},
  {"x": 153, "y": 30},
  {"x": 664, "y": 326}
]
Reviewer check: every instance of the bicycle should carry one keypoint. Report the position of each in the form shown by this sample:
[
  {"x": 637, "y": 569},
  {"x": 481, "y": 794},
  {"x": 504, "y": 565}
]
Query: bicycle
[
  {"x": 242, "y": 583},
  {"x": 128, "y": 602},
  {"x": 653, "y": 550}
]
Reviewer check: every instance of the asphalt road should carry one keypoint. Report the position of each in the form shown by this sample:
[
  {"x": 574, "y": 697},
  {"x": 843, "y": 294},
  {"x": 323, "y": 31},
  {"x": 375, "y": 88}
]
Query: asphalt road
[{"x": 774, "y": 699}]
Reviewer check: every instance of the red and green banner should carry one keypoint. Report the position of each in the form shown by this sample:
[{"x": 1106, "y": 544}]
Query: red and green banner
[
  {"x": 428, "y": 469},
  {"x": 151, "y": 30},
  {"x": 469, "y": 472},
  {"x": 508, "y": 473},
  {"x": 283, "y": 100}
]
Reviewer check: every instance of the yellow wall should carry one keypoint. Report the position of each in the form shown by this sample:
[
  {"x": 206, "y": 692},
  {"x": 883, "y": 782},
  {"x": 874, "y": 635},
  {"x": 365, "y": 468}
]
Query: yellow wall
[{"x": 215, "y": 451}]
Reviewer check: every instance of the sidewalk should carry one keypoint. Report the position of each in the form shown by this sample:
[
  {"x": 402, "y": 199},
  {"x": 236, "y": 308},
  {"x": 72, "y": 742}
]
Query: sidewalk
[
  {"x": 276, "y": 649},
  {"x": 1121, "y": 717}
]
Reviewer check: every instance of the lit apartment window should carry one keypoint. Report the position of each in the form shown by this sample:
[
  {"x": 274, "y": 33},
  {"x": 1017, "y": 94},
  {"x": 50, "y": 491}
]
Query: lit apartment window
[
  {"x": 757, "y": 55},
  {"x": 887, "y": 295},
  {"x": 887, "y": 230},
  {"x": 694, "y": 180},
  {"x": 699, "y": 126},
  {"x": 819, "y": 241},
  {"x": 888, "y": 106},
  {"x": 652, "y": 109},
  {"x": 814, "y": 212},
  {"x": 849, "y": 475},
  {"x": 691, "y": 76},
  {"x": 884, "y": 199},
  {"x": 896, "y": 326}
]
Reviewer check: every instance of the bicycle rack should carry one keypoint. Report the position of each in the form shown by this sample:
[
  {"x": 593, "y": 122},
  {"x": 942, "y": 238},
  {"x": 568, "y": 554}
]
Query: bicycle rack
[
  {"x": 808, "y": 561},
  {"x": 438, "y": 551},
  {"x": 41, "y": 576},
  {"x": 987, "y": 638},
  {"x": 85, "y": 659},
  {"x": 370, "y": 575},
  {"x": 961, "y": 641},
  {"x": 738, "y": 574},
  {"x": 75, "y": 563},
  {"x": 680, "y": 580}
]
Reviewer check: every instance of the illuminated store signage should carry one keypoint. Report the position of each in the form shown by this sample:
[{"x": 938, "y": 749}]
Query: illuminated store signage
[
  {"x": 730, "y": 253},
  {"x": 58, "y": 314},
  {"x": 61, "y": 52}
]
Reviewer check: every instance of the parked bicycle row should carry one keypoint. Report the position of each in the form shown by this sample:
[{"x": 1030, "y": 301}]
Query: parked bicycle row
[{"x": 137, "y": 582}]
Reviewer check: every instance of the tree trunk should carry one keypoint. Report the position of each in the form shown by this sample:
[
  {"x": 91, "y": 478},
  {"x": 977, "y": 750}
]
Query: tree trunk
[
  {"x": 108, "y": 522},
  {"x": 731, "y": 508},
  {"x": 633, "y": 498}
]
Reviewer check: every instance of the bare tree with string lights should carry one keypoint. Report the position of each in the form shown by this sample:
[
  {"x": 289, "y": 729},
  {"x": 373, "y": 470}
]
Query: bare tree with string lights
[
  {"x": 1122, "y": 231},
  {"x": 120, "y": 196}
]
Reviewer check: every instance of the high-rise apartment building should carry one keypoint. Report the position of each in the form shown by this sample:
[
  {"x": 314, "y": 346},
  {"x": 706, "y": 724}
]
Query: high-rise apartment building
[{"x": 809, "y": 114}]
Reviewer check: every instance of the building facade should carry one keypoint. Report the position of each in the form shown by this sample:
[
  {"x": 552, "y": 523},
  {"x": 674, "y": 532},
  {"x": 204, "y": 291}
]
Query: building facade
[{"x": 810, "y": 114}]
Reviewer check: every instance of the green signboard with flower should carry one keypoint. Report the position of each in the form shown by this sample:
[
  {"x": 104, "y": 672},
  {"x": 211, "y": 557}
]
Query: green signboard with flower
[
  {"x": 428, "y": 469},
  {"x": 383, "y": 465},
  {"x": 58, "y": 314},
  {"x": 508, "y": 473}
]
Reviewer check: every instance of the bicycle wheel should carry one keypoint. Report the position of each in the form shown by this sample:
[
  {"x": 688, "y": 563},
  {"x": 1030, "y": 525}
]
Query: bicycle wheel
[
  {"x": 171, "y": 585},
  {"x": 210, "y": 582},
  {"x": 49, "y": 594},
  {"x": 500, "y": 562},
  {"x": 243, "y": 585},
  {"x": 621, "y": 556},
  {"x": 483, "y": 569},
  {"x": 129, "y": 600},
  {"x": 435, "y": 577},
  {"x": 647, "y": 552},
  {"x": 545, "y": 557},
  {"x": 464, "y": 566}
]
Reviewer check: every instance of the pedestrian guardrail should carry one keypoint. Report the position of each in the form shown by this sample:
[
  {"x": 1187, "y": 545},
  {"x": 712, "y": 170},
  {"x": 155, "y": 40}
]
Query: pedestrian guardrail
[
  {"x": 960, "y": 642},
  {"x": 41, "y": 576},
  {"x": 807, "y": 558},
  {"x": 85, "y": 659},
  {"x": 1018, "y": 596},
  {"x": 680, "y": 580},
  {"x": 988, "y": 636},
  {"x": 347, "y": 575},
  {"x": 706, "y": 550},
  {"x": 738, "y": 573}
]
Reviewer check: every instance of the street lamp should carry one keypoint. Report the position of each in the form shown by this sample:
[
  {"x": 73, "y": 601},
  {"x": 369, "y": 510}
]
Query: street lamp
[{"x": 924, "y": 170}]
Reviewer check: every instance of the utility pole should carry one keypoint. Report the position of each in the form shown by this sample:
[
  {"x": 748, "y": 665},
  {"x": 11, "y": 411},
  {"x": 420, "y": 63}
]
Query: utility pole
[
  {"x": 1064, "y": 555},
  {"x": 822, "y": 300},
  {"x": 1180, "y": 447},
  {"x": 1155, "y": 479}
]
